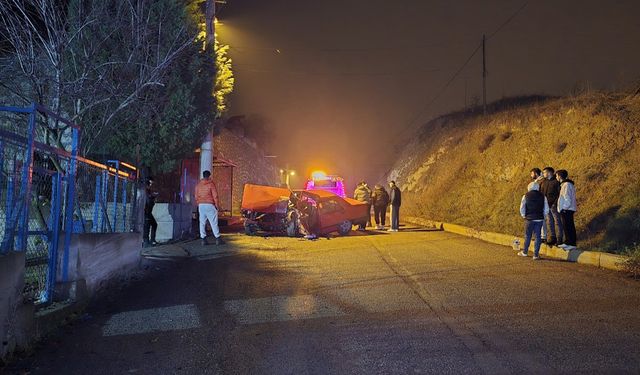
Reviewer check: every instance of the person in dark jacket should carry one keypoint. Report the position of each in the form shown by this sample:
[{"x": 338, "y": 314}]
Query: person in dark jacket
[
  {"x": 363, "y": 194},
  {"x": 150, "y": 223},
  {"x": 550, "y": 187},
  {"x": 395, "y": 199},
  {"x": 380, "y": 201},
  {"x": 533, "y": 209}
]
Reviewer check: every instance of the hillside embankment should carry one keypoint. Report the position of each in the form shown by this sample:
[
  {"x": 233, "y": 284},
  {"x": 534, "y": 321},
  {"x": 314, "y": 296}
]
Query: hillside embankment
[{"x": 472, "y": 169}]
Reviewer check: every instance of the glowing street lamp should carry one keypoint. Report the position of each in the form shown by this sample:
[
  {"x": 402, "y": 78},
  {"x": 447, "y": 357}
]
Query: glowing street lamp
[{"x": 287, "y": 175}]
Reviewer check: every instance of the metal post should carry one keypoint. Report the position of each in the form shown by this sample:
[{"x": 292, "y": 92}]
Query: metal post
[
  {"x": 25, "y": 186},
  {"x": 124, "y": 205},
  {"x": 1, "y": 159},
  {"x": 134, "y": 206},
  {"x": 71, "y": 190},
  {"x": 115, "y": 196},
  {"x": 10, "y": 224},
  {"x": 96, "y": 206},
  {"x": 184, "y": 184},
  {"x": 231, "y": 214},
  {"x": 54, "y": 236},
  {"x": 103, "y": 205}
]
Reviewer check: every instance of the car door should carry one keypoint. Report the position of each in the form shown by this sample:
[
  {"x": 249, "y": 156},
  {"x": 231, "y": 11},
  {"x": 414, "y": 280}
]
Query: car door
[{"x": 331, "y": 212}]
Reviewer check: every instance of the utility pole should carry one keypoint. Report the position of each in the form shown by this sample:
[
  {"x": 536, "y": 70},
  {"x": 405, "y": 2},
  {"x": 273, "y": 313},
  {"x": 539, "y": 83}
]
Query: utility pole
[
  {"x": 484, "y": 76},
  {"x": 206, "y": 149}
]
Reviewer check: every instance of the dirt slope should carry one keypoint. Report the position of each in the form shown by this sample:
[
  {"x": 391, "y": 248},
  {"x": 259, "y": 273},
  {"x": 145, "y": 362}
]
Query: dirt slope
[{"x": 471, "y": 169}]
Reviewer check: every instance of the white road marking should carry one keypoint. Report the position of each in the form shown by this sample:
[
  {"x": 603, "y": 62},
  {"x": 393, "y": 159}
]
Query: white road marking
[
  {"x": 170, "y": 318},
  {"x": 281, "y": 309}
]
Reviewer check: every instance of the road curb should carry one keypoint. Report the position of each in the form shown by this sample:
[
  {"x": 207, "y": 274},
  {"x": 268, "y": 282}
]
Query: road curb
[{"x": 593, "y": 258}]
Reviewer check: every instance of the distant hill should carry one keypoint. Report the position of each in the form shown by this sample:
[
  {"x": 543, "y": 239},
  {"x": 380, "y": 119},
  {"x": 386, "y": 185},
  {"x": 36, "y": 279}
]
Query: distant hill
[{"x": 472, "y": 169}]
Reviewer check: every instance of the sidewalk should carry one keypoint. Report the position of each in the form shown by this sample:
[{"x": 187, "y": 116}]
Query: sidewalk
[{"x": 235, "y": 243}]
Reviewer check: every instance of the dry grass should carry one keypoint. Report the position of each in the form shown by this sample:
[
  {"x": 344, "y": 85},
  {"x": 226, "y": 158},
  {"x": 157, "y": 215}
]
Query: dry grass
[{"x": 457, "y": 172}]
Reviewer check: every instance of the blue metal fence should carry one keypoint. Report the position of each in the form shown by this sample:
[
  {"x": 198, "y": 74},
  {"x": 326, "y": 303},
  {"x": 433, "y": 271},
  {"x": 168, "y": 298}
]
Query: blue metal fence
[{"x": 48, "y": 193}]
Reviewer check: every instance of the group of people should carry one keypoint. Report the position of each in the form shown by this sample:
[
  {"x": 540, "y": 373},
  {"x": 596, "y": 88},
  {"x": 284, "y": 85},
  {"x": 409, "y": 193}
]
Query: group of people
[
  {"x": 548, "y": 208},
  {"x": 380, "y": 200}
]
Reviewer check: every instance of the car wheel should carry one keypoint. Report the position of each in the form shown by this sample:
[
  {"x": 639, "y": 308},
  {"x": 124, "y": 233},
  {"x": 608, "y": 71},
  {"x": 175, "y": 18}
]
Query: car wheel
[
  {"x": 292, "y": 225},
  {"x": 344, "y": 228},
  {"x": 250, "y": 229}
]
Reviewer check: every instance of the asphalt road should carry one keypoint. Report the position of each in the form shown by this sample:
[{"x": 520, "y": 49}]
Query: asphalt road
[{"x": 417, "y": 301}]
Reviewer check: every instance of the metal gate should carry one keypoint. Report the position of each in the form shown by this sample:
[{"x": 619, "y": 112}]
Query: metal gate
[{"x": 48, "y": 193}]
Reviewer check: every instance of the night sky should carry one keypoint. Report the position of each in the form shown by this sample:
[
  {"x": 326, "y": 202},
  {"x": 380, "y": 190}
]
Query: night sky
[{"x": 337, "y": 81}]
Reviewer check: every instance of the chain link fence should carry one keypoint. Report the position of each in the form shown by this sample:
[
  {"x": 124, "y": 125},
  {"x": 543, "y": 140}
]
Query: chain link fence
[
  {"x": 105, "y": 198},
  {"x": 46, "y": 191}
]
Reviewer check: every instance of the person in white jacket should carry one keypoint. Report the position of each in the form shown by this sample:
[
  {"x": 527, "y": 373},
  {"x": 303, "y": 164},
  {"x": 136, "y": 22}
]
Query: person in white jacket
[
  {"x": 534, "y": 208},
  {"x": 567, "y": 207}
]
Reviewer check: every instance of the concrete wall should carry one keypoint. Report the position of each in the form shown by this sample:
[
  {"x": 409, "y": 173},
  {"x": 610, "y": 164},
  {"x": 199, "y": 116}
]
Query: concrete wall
[
  {"x": 98, "y": 258},
  {"x": 11, "y": 285},
  {"x": 174, "y": 220},
  {"x": 95, "y": 260}
]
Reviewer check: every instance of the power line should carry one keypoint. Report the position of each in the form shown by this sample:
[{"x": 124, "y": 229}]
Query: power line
[
  {"x": 410, "y": 125},
  {"x": 346, "y": 49},
  {"x": 506, "y": 22},
  {"x": 442, "y": 90},
  {"x": 244, "y": 68}
]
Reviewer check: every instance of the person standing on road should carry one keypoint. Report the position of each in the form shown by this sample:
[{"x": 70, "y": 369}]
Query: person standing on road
[
  {"x": 395, "y": 199},
  {"x": 567, "y": 207},
  {"x": 150, "y": 223},
  {"x": 533, "y": 209},
  {"x": 363, "y": 194},
  {"x": 380, "y": 201},
  {"x": 207, "y": 200},
  {"x": 550, "y": 187},
  {"x": 536, "y": 176}
]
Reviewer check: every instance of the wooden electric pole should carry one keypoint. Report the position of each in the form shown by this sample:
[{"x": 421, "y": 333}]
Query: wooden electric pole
[{"x": 484, "y": 76}]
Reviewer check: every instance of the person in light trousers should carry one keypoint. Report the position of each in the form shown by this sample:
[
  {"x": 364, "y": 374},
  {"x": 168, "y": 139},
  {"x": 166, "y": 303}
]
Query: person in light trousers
[
  {"x": 534, "y": 207},
  {"x": 207, "y": 200},
  {"x": 567, "y": 207}
]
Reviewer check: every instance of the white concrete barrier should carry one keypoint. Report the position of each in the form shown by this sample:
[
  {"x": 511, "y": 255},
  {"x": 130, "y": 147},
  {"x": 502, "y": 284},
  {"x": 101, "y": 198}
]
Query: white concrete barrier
[
  {"x": 174, "y": 220},
  {"x": 594, "y": 258}
]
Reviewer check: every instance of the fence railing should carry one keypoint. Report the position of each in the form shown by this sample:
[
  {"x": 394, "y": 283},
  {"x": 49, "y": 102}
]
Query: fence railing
[{"x": 48, "y": 192}]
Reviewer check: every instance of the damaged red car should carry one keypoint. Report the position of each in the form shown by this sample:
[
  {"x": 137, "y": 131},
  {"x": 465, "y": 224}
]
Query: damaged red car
[{"x": 299, "y": 212}]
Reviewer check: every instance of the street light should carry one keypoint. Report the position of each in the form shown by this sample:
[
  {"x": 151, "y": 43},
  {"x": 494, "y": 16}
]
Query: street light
[{"x": 287, "y": 175}]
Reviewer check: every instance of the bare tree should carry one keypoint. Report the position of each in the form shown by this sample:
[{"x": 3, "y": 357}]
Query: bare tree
[{"x": 91, "y": 61}]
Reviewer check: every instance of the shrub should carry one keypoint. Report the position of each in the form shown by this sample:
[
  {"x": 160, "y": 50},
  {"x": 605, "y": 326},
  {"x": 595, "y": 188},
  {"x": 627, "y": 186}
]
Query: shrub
[
  {"x": 560, "y": 147},
  {"x": 632, "y": 264},
  {"x": 486, "y": 142}
]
